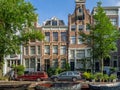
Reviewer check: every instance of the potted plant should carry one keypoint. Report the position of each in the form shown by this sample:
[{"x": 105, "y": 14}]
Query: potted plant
[
  {"x": 92, "y": 77},
  {"x": 105, "y": 78},
  {"x": 99, "y": 76},
  {"x": 113, "y": 78},
  {"x": 86, "y": 75}
]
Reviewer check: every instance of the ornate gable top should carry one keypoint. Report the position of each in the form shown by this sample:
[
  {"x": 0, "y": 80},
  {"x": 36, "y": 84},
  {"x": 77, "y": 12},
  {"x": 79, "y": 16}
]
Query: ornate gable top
[{"x": 80, "y": 1}]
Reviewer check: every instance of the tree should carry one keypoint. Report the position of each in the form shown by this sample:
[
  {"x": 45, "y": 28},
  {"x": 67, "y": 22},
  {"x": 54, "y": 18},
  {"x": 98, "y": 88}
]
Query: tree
[
  {"x": 103, "y": 36},
  {"x": 15, "y": 15}
]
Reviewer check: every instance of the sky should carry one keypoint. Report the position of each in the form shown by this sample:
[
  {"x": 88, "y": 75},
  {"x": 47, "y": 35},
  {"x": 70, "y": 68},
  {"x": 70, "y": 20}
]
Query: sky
[{"x": 46, "y": 9}]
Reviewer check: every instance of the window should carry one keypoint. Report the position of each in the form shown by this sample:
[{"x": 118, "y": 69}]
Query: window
[
  {"x": 80, "y": 53},
  {"x": 38, "y": 49},
  {"x": 73, "y": 39},
  {"x": 32, "y": 48},
  {"x": 55, "y": 49},
  {"x": 63, "y": 74},
  {"x": 63, "y": 63},
  {"x": 54, "y": 23},
  {"x": 115, "y": 63},
  {"x": 70, "y": 73},
  {"x": 32, "y": 63},
  {"x": 63, "y": 36},
  {"x": 13, "y": 56},
  {"x": 72, "y": 53},
  {"x": 48, "y": 23},
  {"x": 18, "y": 62},
  {"x": 55, "y": 63},
  {"x": 80, "y": 17},
  {"x": 80, "y": 40},
  {"x": 47, "y": 49},
  {"x": 73, "y": 27},
  {"x": 47, "y": 64},
  {"x": 81, "y": 27},
  {"x": 111, "y": 12},
  {"x": 87, "y": 27},
  {"x": 88, "y": 52},
  {"x": 27, "y": 63},
  {"x": 26, "y": 50},
  {"x": 115, "y": 57},
  {"x": 55, "y": 36},
  {"x": 79, "y": 64},
  {"x": 47, "y": 36},
  {"x": 113, "y": 21},
  {"x": 79, "y": 10},
  {"x": 63, "y": 50}
]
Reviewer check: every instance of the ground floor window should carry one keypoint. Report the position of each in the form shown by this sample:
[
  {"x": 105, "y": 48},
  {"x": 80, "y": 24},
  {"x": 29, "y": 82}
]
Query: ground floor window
[
  {"x": 10, "y": 63},
  {"x": 79, "y": 64},
  {"x": 63, "y": 63},
  {"x": 30, "y": 64},
  {"x": 27, "y": 63},
  {"x": 47, "y": 64},
  {"x": 115, "y": 64},
  {"x": 55, "y": 63}
]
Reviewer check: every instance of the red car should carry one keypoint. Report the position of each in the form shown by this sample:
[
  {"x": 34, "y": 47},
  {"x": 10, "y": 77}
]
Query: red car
[{"x": 36, "y": 76}]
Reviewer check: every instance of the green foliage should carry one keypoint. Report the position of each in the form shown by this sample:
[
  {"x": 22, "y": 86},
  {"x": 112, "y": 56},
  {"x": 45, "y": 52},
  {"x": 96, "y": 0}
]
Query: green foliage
[
  {"x": 54, "y": 71},
  {"x": 103, "y": 36},
  {"x": 19, "y": 69},
  {"x": 50, "y": 72},
  {"x": 15, "y": 16},
  {"x": 31, "y": 35},
  {"x": 86, "y": 75},
  {"x": 58, "y": 70},
  {"x": 112, "y": 76},
  {"x": 92, "y": 76},
  {"x": 105, "y": 77},
  {"x": 112, "y": 69},
  {"x": 67, "y": 67},
  {"x": 99, "y": 76}
]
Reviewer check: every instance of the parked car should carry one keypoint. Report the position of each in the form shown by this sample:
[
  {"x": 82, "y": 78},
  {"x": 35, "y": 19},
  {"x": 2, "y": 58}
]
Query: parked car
[
  {"x": 36, "y": 76},
  {"x": 68, "y": 75}
]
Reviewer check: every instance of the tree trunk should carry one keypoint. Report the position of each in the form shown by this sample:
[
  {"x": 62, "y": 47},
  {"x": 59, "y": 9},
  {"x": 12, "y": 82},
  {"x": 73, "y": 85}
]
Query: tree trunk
[
  {"x": 1, "y": 65},
  {"x": 102, "y": 65}
]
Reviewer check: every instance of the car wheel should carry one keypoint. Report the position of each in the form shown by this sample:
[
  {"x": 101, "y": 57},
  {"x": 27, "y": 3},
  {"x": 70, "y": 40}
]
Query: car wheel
[
  {"x": 74, "y": 79},
  {"x": 55, "y": 79},
  {"x": 38, "y": 79}
]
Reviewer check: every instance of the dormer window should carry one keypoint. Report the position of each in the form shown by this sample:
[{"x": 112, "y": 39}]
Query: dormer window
[
  {"x": 79, "y": 10},
  {"x": 54, "y": 23}
]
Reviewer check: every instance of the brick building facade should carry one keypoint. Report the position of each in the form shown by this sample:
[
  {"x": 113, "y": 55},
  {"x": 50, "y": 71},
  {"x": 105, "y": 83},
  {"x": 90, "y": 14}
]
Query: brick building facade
[{"x": 63, "y": 43}]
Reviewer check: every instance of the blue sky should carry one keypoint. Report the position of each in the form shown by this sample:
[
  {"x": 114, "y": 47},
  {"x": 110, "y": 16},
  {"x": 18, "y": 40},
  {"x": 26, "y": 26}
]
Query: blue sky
[{"x": 61, "y": 8}]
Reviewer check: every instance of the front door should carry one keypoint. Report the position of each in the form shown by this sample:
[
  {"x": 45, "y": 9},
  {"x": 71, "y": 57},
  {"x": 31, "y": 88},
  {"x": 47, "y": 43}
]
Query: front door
[
  {"x": 47, "y": 64},
  {"x": 38, "y": 66},
  {"x": 97, "y": 66},
  {"x": 72, "y": 66}
]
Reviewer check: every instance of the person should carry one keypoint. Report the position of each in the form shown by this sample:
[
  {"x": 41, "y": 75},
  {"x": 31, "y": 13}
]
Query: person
[{"x": 11, "y": 75}]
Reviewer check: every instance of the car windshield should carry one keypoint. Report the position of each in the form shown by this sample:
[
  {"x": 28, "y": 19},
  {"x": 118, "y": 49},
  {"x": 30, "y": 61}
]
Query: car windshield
[
  {"x": 76, "y": 73},
  {"x": 63, "y": 74}
]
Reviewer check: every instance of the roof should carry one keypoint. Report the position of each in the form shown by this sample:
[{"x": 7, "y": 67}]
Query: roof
[{"x": 54, "y": 21}]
